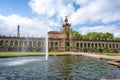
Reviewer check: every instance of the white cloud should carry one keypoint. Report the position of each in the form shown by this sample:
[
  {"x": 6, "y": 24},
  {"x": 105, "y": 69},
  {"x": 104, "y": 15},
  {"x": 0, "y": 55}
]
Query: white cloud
[
  {"x": 111, "y": 29},
  {"x": 83, "y": 2},
  {"x": 104, "y": 11},
  {"x": 31, "y": 27},
  {"x": 89, "y": 11},
  {"x": 51, "y": 12},
  {"x": 50, "y": 8},
  {"x": 52, "y": 23},
  {"x": 43, "y": 7},
  {"x": 97, "y": 11}
]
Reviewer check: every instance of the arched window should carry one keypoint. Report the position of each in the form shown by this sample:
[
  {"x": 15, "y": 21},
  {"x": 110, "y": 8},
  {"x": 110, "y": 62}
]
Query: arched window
[
  {"x": 1, "y": 43},
  {"x": 20, "y": 43},
  {"x": 51, "y": 44},
  {"x": 39, "y": 44},
  {"x": 43, "y": 43},
  {"x": 107, "y": 45},
  {"x": 95, "y": 44},
  {"x": 56, "y": 44},
  {"x": 102, "y": 44},
  {"x": 11, "y": 43},
  {"x": 81, "y": 45},
  {"x": 16, "y": 43},
  {"x": 25, "y": 43},
  {"x": 77, "y": 44},
  {"x": 116, "y": 45},
  {"x": 99, "y": 45},
  {"x": 92, "y": 45},
  {"x": 34, "y": 43},
  {"x": 30, "y": 43},
  {"x": 88, "y": 44},
  {"x": 110, "y": 45},
  {"x": 84, "y": 44},
  {"x": 113, "y": 45}
]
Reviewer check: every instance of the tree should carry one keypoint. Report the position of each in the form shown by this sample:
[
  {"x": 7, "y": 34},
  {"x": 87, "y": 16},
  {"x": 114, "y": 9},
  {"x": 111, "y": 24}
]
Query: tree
[
  {"x": 76, "y": 35},
  {"x": 94, "y": 36},
  {"x": 98, "y": 36}
]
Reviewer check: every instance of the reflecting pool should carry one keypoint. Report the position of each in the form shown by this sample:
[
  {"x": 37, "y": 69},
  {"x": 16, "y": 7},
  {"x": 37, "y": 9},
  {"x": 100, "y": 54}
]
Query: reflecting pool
[{"x": 56, "y": 68}]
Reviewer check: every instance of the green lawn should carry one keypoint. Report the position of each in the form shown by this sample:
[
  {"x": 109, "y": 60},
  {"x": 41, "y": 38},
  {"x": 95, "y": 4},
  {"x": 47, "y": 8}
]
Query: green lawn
[
  {"x": 110, "y": 54},
  {"x": 8, "y": 54}
]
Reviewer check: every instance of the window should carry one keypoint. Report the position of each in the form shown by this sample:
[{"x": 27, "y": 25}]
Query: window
[
  {"x": 81, "y": 45},
  {"x": 21, "y": 43},
  {"x": 11, "y": 43},
  {"x": 77, "y": 44},
  {"x": 113, "y": 45},
  {"x": 34, "y": 43},
  {"x": 102, "y": 45},
  {"x": 16, "y": 43},
  {"x": 99, "y": 45},
  {"x": 88, "y": 44},
  {"x": 1, "y": 43},
  {"x": 110, "y": 45},
  {"x": 39, "y": 44},
  {"x": 56, "y": 44},
  {"x": 25, "y": 43},
  {"x": 116, "y": 45},
  {"x": 107, "y": 45},
  {"x": 6, "y": 43},
  {"x": 51, "y": 44},
  {"x": 95, "y": 44},
  {"x": 30, "y": 43},
  {"x": 84, "y": 44},
  {"x": 92, "y": 45}
]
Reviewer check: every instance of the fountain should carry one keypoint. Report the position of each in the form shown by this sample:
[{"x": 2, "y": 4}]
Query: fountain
[
  {"x": 26, "y": 44},
  {"x": 57, "y": 68},
  {"x": 46, "y": 50}
]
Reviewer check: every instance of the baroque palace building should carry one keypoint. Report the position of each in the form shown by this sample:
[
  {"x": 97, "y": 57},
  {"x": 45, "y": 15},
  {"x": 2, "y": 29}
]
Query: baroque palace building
[
  {"x": 63, "y": 40},
  {"x": 58, "y": 41}
]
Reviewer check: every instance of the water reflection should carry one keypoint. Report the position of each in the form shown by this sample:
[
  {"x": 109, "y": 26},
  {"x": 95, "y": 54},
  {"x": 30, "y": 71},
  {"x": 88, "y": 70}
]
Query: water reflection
[
  {"x": 57, "y": 68},
  {"x": 18, "y": 61},
  {"x": 82, "y": 68}
]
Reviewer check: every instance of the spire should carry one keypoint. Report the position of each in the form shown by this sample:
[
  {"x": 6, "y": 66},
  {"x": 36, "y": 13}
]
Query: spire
[
  {"x": 18, "y": 31},
  {"x": 66, "y": 19}
]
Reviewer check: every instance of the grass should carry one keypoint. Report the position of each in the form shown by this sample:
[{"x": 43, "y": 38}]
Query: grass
[
  {"x": 10, "y": 54},
  {"x": 58, "y": 53},
  {"x": 110, "y": 54}
]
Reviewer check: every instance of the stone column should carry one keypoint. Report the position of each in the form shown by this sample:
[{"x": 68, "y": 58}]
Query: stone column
[
  {"x": 3, "y": 42},
  {"x": 49, "y": 44},
  {"x": 108, "y": 45},
  {"x": 13, "y": 42},
  {"x": 86, "y": 44},
  {"x": 58, "y": 46},
  {"x": 82, "y": 45}
]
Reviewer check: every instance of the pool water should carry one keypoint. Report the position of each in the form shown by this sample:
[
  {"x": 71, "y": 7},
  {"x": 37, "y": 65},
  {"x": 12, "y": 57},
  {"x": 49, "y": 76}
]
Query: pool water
[{"x": 56, "y": 68}]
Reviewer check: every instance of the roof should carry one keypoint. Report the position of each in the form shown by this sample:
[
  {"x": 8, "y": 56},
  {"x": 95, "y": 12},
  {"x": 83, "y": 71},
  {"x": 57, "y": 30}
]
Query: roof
[{"x": 53, "y": 32}]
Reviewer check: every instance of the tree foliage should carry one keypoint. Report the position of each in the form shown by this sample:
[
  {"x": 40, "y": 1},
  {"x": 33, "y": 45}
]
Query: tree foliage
[
  {"x": 76, "y": 35},
  {"x": 98, "y": 36},
  {"x": 94, "y": 36}
]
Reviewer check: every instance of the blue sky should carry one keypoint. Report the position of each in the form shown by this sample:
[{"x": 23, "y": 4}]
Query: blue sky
[
  {"x": 20, "y": 7},
  {"x": 36, "y": 17}
]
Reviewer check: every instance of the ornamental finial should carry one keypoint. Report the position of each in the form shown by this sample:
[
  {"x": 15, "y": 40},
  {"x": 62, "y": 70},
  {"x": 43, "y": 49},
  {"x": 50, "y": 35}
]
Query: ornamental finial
[{"x": 66, "y": 19}]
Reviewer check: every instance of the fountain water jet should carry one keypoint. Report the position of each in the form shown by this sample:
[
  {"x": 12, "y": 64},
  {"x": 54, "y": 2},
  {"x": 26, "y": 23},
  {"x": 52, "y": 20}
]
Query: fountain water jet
[{"x": 46, "y": 50}]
